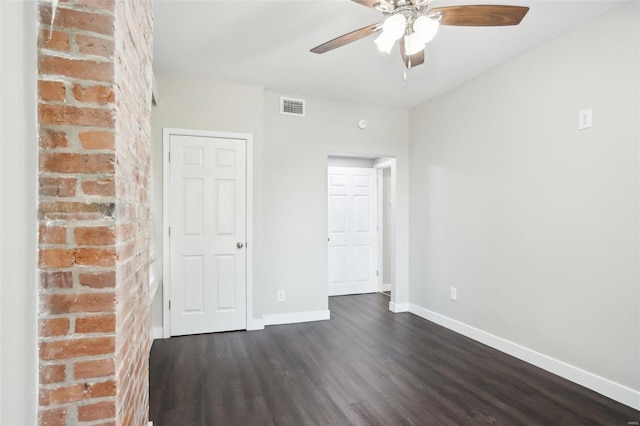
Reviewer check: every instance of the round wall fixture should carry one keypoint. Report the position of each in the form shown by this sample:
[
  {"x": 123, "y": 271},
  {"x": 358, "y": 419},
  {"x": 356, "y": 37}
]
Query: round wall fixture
[{"x": 362, "y": 124}]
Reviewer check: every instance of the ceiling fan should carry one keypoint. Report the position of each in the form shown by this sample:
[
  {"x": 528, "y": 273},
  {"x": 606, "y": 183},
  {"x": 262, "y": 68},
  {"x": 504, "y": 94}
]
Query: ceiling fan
[{"x": 414, "y": 24}]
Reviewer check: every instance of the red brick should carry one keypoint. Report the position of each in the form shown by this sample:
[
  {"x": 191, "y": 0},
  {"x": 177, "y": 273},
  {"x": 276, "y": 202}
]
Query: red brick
[
  {"x": 97, "y": 140},
  {"x": 54, "y": 327},
  {"x": 73, "y": 303},
  {"x": 66, "y": 115},
  {"x": 96, "y": 4},
  {"x": 53, "y": 417},
  {"x": 92, "y": 369},
  {"x": 101, "y": 95},
  {"x": 83, "y": 69},
  {"x": 95, "y": 45},
  {"x": 81, "y": 20},
  {"x": 75, "y": 210},
  {"x": 57, "y": 187},
  {"x": 52, "y": 139},
  {"x": 54, "y": 373},
  {"x": 94, "y": 236},
  {"x": 61, "y": 162},
  {"x": 55, "y": 258},
  {"x": 102, "y": 389},
  {"x": 96, "y": 324},
  {"x": 96, "y": 257},
  {"x": 98, "y": 279},
  {"x": 103, "y": 187},
  {"x": 52, "y": 234},
  {"x": 54, "y": 40},
  {"x": 98, "y": 411},
  {"x": 53, "y": 91},
  {"x": 75, "y": 348},
  {"x": 62, "y": 395},
  {"x": 57, "y": 279}
]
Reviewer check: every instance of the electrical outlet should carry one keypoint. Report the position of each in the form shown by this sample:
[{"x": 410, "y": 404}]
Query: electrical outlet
[
  {"x": 585, "y": 118},
  {"x": 281, "y": 296},
  {"x": 453, "y": 294}
]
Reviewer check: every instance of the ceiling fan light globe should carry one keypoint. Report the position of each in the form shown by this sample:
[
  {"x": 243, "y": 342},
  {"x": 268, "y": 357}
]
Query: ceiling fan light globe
[
  {"x": 384, "y": 43},
  {"x": 426, "y": 28},
  {"x": 394, "y": 26},
  {"x": 413, "y": 44}
]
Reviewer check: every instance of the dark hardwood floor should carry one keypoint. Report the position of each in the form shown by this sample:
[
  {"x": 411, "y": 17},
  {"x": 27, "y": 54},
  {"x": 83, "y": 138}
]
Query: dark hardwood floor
[{"x": 366, "y": 366}]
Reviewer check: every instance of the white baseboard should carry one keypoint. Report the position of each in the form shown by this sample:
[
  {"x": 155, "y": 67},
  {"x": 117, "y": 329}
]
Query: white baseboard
[
  {"x": 156, "y": 333},
  {"x": 398, "y": 307},
  {"x": 296, "y": 317},
  {"x": 386, "y": 287},
  {"x": 606, "y": 387}
]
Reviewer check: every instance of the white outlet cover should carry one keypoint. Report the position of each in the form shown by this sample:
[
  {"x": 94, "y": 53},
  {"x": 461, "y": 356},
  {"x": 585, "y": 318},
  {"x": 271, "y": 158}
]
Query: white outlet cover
[
  {"x": 585, "y": 118},
  {"x": 453, "y": 293}
]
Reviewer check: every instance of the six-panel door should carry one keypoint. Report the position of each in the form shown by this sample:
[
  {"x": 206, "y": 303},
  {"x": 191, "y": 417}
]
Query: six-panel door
[
  {"x": 207, "y": 234},
  {"x": 353, "y": 253}
]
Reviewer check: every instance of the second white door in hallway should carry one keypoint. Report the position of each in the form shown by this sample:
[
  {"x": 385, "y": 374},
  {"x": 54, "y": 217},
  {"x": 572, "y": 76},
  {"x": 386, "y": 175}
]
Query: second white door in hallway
[{"x": 353, "y": 230}]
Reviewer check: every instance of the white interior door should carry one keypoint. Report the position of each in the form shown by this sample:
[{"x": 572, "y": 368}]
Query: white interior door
[
  {"x": 353, "y": 239},
  {"x": 207, "y": 208}
]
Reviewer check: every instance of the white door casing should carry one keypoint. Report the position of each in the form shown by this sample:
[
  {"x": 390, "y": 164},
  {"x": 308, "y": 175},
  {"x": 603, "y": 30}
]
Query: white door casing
[
  {"x": 353, "y": 239},
  {"x": 206, "y": 213}
]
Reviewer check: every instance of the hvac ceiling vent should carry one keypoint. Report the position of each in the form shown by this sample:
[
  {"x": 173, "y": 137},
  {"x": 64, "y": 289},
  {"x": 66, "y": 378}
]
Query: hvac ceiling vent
[{"x": 290, "y": 106}]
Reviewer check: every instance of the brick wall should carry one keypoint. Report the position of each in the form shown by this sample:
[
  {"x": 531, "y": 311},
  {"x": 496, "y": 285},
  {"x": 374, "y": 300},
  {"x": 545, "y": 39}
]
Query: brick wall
[
  {"x": 94, "y": 100},
  {"x": 133, "y": 179}
]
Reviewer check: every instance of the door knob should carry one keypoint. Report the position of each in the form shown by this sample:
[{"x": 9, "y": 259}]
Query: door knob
[{"x": 239, "y": 245}]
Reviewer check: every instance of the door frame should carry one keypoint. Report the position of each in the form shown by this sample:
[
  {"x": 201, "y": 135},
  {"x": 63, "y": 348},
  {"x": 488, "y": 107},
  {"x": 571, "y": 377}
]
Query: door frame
[
  {"x": 166, "y": 276},
  {"x": 387, "y": 163},
  {"x": 380, "y": 161}
]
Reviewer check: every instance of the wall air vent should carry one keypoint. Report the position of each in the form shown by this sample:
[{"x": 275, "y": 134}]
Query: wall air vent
[{"x": 290, "y": 106}]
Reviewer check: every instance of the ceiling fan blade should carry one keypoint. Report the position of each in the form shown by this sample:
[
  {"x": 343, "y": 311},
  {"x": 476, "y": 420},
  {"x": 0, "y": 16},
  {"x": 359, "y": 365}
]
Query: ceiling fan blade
[
  {"x": 347, "y": 38},
  {"x": 481, "y": 15},
  {"x": 413, "y": 60}
]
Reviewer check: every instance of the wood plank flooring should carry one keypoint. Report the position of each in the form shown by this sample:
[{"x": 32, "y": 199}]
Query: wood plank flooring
[{"x": 366, "y": 366}]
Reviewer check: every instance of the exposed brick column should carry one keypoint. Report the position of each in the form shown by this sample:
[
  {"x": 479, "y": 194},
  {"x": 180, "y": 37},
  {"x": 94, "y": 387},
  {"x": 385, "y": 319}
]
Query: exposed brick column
[
  {"x": 133, "y": 178},
  {"x": 94, "y": 114}
]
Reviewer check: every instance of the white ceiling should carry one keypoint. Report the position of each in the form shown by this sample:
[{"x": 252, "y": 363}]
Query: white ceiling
[{"x": 266, "y": 43}]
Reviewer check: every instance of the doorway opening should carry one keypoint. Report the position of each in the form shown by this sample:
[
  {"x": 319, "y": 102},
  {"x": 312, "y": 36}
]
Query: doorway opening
[{"x": 361, "y": 224}]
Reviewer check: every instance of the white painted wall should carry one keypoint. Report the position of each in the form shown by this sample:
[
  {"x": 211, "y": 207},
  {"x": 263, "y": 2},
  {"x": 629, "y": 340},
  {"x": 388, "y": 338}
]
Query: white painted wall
[
  {"x": 295, "y": 200},
  {"x": 205, "y": 105},
  {"x": 535, "y": 222},
  {"x": 290, "y": 203},
  {"x": 18, "y": 161},
  {"x": 333, "y": 161}
]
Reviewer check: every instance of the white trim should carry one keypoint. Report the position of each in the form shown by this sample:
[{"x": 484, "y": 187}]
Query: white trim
[
  {"x": 156, "y": 333},
  {"x": 392, "y": 164},
  {"x": 398, "y": 307},
  {"x": 296, "y": 317},
  {"x": 386, "y": 287},
  {"x": 380, "y": 229},
  {"x": 166, "y": 278},
  {"x": 584, "y": 378}
]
